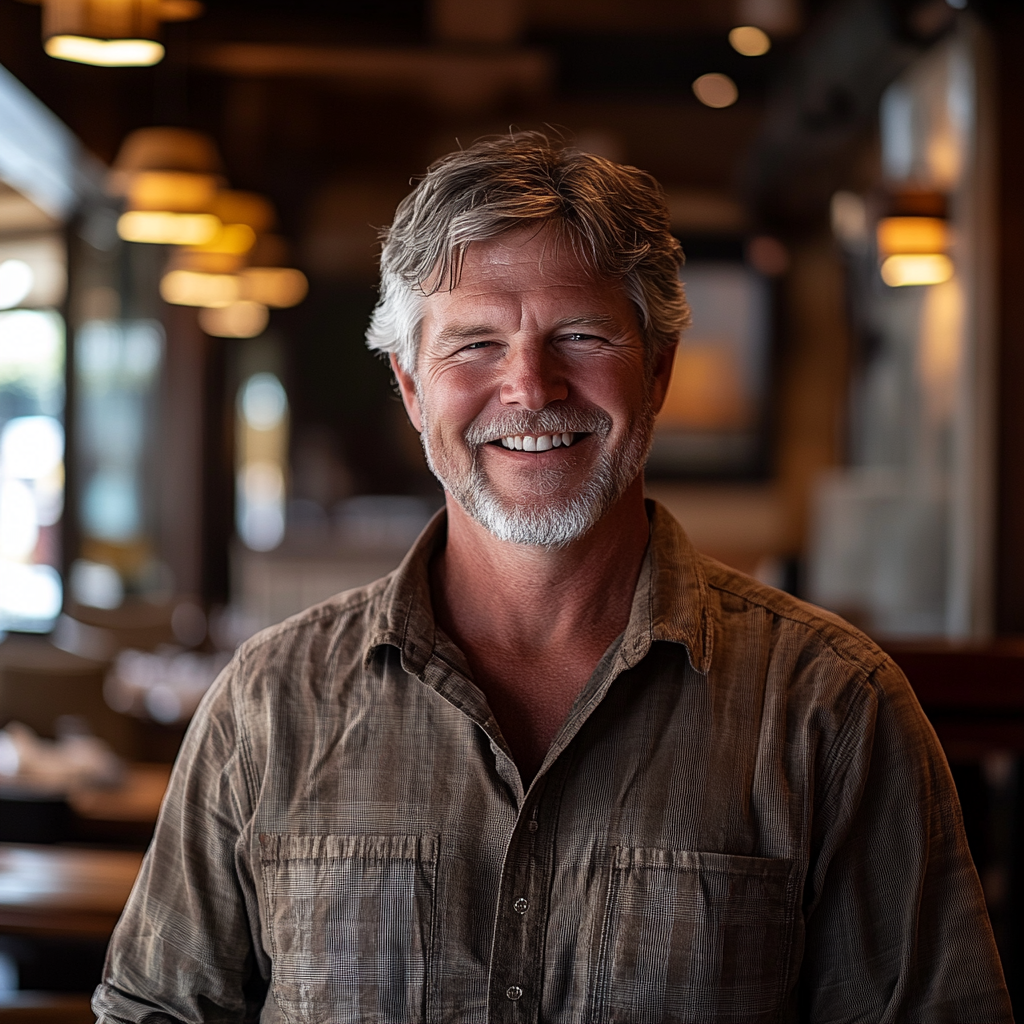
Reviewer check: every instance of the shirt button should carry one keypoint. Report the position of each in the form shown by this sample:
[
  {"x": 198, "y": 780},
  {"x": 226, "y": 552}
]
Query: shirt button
[
  {"x": 533, "y": 826},
  {"x": 521, "y": 905},
  {"x": 514, "y": 992}
]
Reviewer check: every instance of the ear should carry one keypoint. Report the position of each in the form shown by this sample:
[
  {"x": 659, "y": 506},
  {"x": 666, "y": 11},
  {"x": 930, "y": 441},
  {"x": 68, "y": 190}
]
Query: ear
[
  {"x": 407, "y": 386},
  {"x": 662, "y": 375}
]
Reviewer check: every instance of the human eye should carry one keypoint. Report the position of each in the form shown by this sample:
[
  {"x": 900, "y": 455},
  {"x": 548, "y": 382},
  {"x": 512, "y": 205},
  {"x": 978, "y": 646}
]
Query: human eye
[{"x": 579, "y": 339}]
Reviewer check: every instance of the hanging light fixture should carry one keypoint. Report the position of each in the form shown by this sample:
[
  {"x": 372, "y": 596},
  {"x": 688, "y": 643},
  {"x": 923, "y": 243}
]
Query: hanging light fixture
[
  {"x": 914, "y": 240},
  {"x": 913, "y": 250},
  {"x": 111, "y": 33},
  {"x": 169, "y": 179}
]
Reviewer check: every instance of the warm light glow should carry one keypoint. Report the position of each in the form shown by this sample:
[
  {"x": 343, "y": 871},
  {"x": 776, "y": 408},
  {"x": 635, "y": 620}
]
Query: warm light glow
[
  {"x": 179, "y": 191},
  {"x": 231, "y": 240},
  {"x": 706, "y": 389},
  {"x": 715, "y": 90},
  {"x": 191, "y": 288},
  {"x": 237, "y": 207},
  {"x": 279, "y": 287},
  {"x": 107, "y": 53},
  {"x": 242, "y": 319},
  {"x": 189, "y": 257},
  {"x": 912, "y": 235},
  {"x": 916, "y": 268},
  {"x": 163, "y": 227},
  {"x": 180, "y": 10},
  {"x": 750, "y": 41}
]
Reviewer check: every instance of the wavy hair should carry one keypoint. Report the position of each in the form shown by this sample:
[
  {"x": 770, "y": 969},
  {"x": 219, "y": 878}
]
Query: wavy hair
[{"x": 613, "y": 216}]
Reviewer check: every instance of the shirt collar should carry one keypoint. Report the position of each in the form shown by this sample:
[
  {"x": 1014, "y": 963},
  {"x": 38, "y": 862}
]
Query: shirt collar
[{"x": 671, "y": 601}]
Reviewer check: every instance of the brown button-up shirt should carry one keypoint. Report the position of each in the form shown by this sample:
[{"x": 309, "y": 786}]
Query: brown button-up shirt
[{"x": 745, "y": 817}]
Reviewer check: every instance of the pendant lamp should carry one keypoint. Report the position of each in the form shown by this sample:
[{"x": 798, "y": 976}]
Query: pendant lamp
[
  {"x": 170, "y": 179},
  {"x": 111, "y": 33}
]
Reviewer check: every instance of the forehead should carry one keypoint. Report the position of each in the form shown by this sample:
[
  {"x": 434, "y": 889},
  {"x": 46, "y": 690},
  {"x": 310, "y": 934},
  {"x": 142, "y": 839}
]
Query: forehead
[
  {"x": 537, "y": 254},
  {"x": 531, "y": 266}
]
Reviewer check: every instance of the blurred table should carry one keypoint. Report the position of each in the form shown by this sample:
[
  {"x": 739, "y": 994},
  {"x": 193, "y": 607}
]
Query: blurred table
[
  {"x": 136, "y": 799},
  {"x": 126, "y": 813},
  {"x": 61, "y": 891}
]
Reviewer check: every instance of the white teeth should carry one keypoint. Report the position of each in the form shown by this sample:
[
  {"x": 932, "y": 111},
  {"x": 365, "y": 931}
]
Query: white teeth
[{"x": 529, "y": 443}]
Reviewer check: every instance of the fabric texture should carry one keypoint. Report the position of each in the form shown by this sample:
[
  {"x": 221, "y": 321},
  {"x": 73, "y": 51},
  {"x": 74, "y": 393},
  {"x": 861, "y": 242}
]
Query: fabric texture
[{"x": 745, "y": 817}]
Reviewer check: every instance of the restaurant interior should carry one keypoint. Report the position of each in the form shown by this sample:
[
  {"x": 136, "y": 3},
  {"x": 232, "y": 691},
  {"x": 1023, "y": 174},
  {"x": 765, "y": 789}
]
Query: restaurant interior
[{"x": 195, "y": 442}]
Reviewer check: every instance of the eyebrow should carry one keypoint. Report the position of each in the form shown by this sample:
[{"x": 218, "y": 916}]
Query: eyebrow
[{"x": 460, "y": 332}]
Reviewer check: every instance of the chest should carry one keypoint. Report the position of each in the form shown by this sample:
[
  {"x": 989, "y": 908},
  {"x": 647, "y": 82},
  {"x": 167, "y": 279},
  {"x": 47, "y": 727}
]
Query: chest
[{"x": 409, "y": 880}]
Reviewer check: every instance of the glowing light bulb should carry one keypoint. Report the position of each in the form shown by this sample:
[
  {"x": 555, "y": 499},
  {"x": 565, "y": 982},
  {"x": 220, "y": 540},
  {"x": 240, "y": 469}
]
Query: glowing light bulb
[
  {"x": 904, "y": 269},
  {"x": 750, "y": 40},
  {"x": 715, "y": 90},
  {"x": 106, "y": 53}
]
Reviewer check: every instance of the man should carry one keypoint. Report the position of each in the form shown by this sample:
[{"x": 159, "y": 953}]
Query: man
[{"x": 558, "y": 766}]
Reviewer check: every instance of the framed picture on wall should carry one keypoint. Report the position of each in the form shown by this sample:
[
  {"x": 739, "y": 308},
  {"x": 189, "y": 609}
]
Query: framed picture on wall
[{"x": 714, "y": 420}]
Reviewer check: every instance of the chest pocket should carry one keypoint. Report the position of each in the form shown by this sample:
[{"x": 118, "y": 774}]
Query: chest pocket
[
  {"x": 349, "y": 921},
  {"x": 694, "y": 937}
]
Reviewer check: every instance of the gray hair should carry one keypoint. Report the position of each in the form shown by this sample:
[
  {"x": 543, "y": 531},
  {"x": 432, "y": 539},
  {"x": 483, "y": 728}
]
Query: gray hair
[{"x": 613, "y": 216}]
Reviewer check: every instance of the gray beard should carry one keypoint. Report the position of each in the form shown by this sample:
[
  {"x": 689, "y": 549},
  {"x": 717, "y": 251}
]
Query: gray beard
[{"x": 550, "y": 519}]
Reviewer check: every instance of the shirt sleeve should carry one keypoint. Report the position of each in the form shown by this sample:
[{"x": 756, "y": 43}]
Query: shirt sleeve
[
  {"x": 187, "y": 945},
  {"x": 896, "y": 924}
]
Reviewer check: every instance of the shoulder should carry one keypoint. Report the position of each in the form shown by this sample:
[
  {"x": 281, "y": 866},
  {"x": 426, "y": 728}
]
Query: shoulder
[
  {"x": 812, "y": 649},
  {"x": 301, "y": 658}
]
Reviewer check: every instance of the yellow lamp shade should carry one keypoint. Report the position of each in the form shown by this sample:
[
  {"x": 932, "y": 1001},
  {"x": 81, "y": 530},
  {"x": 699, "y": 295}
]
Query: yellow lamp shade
[
  {"x": 912, "y": 235},
  {"x": 110, "y": 33},
  {"x": 902, "y": 269},
  {"x": 192, "y": 288},
  {"x": 168, "y": 149},
  {"x": 178, "y": 191},
  {"x": 102, "y": 19},
  {"x": 162, "y": 149},
  {"x": 278, "y": 287}
]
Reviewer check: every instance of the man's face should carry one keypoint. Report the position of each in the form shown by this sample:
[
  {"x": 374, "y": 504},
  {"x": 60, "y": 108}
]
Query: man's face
[{"x": 532, "y": 394}]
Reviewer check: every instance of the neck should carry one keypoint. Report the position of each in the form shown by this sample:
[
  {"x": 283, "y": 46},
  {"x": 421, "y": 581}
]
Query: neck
[{"x": 533, "y": 593}]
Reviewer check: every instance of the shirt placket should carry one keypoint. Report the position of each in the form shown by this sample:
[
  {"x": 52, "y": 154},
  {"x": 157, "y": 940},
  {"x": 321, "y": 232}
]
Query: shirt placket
[{"x": 517, "y": 951}]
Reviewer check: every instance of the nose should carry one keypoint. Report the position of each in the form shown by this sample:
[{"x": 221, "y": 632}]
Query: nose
[{"x": 532, "y": 378}]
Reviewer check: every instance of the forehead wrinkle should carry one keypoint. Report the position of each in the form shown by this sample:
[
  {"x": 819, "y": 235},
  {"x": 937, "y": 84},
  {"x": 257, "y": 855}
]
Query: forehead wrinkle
[{"x": 587, "y": 320}]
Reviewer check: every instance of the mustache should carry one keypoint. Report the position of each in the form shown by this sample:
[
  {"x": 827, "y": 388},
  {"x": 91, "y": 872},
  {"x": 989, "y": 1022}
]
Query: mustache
[{"x": 550, "y": 420}]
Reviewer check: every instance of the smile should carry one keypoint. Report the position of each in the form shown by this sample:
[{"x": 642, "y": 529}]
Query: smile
[{"x": 537, "y": 442}]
